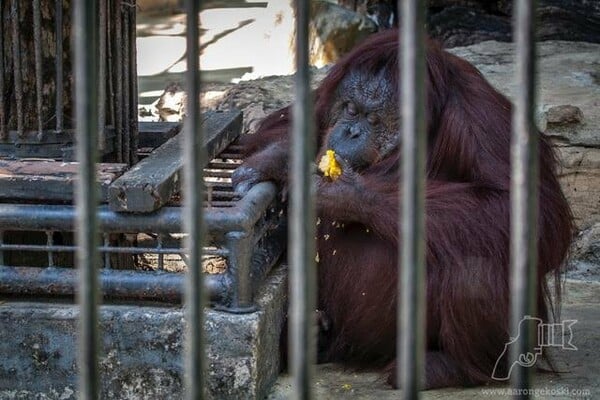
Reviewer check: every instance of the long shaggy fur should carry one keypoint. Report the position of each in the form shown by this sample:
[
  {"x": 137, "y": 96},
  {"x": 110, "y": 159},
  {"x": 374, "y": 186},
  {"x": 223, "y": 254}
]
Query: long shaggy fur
[{"x": 467, "y": 223}]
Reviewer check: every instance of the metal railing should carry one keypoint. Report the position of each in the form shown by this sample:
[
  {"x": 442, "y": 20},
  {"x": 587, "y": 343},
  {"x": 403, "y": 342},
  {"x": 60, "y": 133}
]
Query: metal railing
[{"x": 301, "y": 245}]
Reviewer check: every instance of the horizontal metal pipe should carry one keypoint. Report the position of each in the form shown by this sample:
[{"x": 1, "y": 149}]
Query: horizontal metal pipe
[
  {"x": 166, "y": 220},
  {"x": 114, "y": 284},
  {"x": 108, "y": 249}
]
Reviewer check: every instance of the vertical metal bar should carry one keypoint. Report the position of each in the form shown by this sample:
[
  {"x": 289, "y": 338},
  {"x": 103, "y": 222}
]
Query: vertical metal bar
[
  {"x": 411, "y": 285},
  {"x": 238, "y": 244},
  {"x": 161, "y": 256},
  {"x": 126, "y": 87},
  {"x": 118, "y": 62},
  {"x": 524, "y": 194},
  {"x": 102, "y": 77},
  {"x": 85, "y": 24},
  {"x": 106, "y": 240},
  {"x": 59, "y": 66},
  {"x": 194, "y": 186},
  {"x": 109, "y": 56},
  {"x": 50, "y": 242},
  {"x": 134, "y": 84},
  {"x": 37, "y": 43},
  {"x": 16, "y": 40},
  {"x": 1, "y": 251},
  {"x": 302, "y": 220},
  {"x": 3, "y": 126}
]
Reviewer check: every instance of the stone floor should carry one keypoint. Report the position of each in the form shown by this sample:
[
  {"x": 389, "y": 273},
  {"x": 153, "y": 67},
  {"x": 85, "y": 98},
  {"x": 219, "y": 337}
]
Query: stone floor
[{"x": 579, "y": 376}]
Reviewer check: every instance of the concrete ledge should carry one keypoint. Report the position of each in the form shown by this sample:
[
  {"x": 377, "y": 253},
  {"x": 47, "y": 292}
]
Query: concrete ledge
[{"x": 142, "y": 349}]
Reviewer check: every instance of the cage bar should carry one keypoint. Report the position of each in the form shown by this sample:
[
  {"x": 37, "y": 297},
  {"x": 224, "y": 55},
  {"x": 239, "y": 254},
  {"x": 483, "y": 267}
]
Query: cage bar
[
  {"x": 524, "y": 195},
  {"x": 118, "y": 62},
  {"x": 18, "y": 78},
  {"x": 85, "y": 27},
  {"x": 411, "y": 286},
  {"x": 301, "y": 243},
  {"x": 59, "y": 106},
  {"x": 37, "y": 43},
  {"x": 3, "y": 122},
  {"x": 102, "y": 75},
  {"x": 193, "y": 194}
]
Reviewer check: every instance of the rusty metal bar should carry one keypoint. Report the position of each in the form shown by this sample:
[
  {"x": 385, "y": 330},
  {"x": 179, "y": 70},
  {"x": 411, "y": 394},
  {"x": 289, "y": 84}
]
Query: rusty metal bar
[
  {"x": 302, "y": 220},
  {"x": 194, "y": 159},
  {"x": 3, "y": 123},
  {"x": 132, "y": 59},
  {"x": 16, "y": 47},
  {"x": 37, "y": 43},
  {"x": 124, "y": 16},
  {"x": 524, "y": 196},
  {"x": 59, "y": 66},
  {"x": 85, "y": 25},
  {"x": 118, "y": 63},
  {"x": 411, "y": 285},
  {"x": 102, "y": 75}
]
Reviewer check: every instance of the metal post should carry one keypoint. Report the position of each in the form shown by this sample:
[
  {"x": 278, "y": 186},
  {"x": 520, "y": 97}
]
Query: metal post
[
  {"x": 240, "y": 257},
  {"x": 301, "y": 243},
  {"x": 59, "y": 65},
  {"x": 118, "y": 63},
  {"x": 524, "y": 194},
  {"x": 411, "y": 285},
  {"x": 3, "y": 127},
  {"x": 37, "y": 43},
  {"x": 102, "y": 76},
  {"x": 194, "y": 187},
  {"x": 86, "y": 105},
  {"x": 132, "y": 60},
  {"x": 16, "y": 47}
]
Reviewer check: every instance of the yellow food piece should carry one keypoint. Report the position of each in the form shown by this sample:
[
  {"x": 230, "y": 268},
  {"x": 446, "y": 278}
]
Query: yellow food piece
[{"x": 329, "y": 165}]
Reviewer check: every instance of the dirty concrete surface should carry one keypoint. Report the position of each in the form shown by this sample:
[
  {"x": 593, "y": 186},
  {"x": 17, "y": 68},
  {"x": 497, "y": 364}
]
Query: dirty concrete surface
[{"x": 579, "y": 376}]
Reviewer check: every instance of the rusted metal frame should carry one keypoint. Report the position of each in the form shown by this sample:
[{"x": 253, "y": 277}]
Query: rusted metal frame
[
  {"x": 524, "y": 197},
  {"x": 17, "y": 73},
  {"x": 37, "y": 43},
  {"x": 86, "y": 32},
  {"x": 59, "y": 65},
  {"x": 195, "y": 160},
  {"x": 411, "y": 285},
  {"x": 301, "y": 243}
]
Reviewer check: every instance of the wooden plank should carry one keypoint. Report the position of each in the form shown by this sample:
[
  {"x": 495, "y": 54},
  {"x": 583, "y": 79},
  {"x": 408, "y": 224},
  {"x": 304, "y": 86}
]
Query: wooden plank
[
  {"x": 49, "y": 180},
  {"x": 149, "y": 184}
]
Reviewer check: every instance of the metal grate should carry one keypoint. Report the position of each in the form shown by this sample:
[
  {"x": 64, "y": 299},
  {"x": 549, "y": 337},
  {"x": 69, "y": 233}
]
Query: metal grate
[{"x": 37, "y": 246}]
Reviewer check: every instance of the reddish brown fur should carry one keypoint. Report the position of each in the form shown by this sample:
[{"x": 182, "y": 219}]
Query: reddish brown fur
[{"x": 467, "y": 222}]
